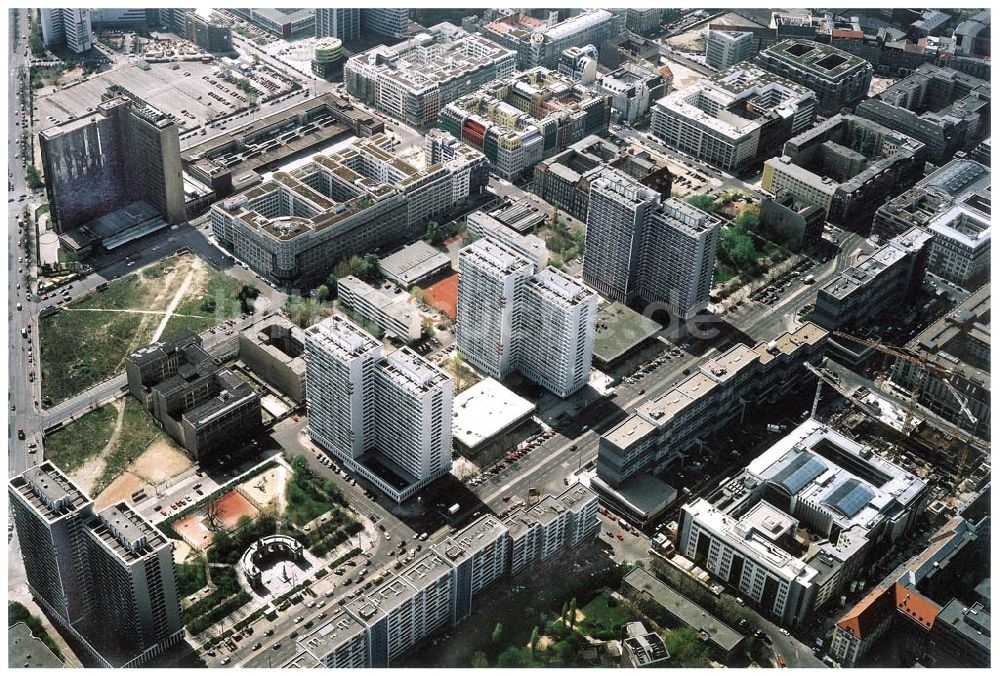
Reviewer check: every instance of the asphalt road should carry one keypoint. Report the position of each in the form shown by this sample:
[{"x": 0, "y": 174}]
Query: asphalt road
[{"x": 22, "y": 393}]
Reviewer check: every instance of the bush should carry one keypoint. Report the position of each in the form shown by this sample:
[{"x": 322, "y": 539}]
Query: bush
[
  {"x": 228, "y": 548},
  {"x": 224, "y": 609},
  {"x": 190, "y": 578}
]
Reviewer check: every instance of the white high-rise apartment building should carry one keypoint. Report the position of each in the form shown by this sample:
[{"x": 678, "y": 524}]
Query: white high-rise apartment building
[
  {"x": 343, "y": 23},
  {"x": 617, "y": 212},
  {"x": 557, "y": 329},
  {"x": 510, "y": 318},
  {"x": 135, "y": 587},
  {"x": 387, "y": 418},
  {"x": 639, "y": 246},
  {"x": 71, "y": 27},
  {"x": 341, "y": 364},
  {"x": 413, "y": 415},
  {"x": 678, "y": 258},
  {"x": 490, "y": 280}
]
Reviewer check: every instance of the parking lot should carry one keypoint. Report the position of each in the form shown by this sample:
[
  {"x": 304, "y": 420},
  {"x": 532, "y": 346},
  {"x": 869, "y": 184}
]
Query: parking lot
[
  {"x": 191, "y": 93},
  {"x": 795, "y": 277}
]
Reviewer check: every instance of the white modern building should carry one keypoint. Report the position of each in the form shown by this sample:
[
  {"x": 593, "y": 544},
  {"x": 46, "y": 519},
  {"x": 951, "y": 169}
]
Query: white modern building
[
  {"x": 510, "y": 318},
  {"x": 638, "y": 245},
  {"x": 734, "y": 118},
  {"x": 532, "y": 247},
  {"x": 795, "y": 528},
  {"x": 388, "y": 418},
  {"x": 551, "y": 526},
  {"x": 70, "y": 27},
  {"x": 727, "y": 48},
  {"x": 539, "y": 42},
  {"x": 960, "y": 250},
  {"x": 414, "y": 79}
]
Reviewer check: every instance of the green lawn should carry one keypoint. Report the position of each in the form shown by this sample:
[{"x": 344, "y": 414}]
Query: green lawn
[
  {"x": 70, "y": 447},
  {"x": 601, "y": 619},
  {"x": 222, "y": 290},
  {"x": 722, "y": 273},
  {"x": 81, "y": 349},
  {"x": 619, "y": 329},
  {"x": 308, "y": 495},
  {"x": 190, "y": 578},
  {"x": 137, "y": 433}
]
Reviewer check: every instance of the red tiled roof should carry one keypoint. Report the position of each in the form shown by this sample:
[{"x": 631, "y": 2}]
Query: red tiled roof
[
  {"x": 870, "y": 611},
  {"x": 918, "y": 608}
]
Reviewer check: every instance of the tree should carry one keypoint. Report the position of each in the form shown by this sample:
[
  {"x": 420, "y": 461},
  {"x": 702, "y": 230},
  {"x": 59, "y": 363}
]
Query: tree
[
  {"x": 512, "y": 657},
  {"x": 418, "y": 295},
  {"x": 433, "y": 234},
  {"x": 322, "y": 293},
  {"x": 427, "y": 327},
  {"x": 533, "y": 641},
  {"x": 686, "y": 648},
  {"x": 497, "y": 633},
  {"x": 480, "y": 660},
  {"x": 572, "y": 611},
  {"x": 34, "y": 178},
  {"x": 565, "y": 607},
  {"x": 704, "y": 202}
]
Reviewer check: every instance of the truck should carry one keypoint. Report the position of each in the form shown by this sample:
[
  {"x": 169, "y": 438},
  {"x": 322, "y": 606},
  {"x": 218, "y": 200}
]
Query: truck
[{"x": 453, "y": 510}]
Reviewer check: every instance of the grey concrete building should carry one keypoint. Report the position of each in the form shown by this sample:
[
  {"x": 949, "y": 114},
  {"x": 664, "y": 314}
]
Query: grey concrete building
[
  {"x": 880, "y": 281},
  {"x": 124, "y": 152},
  {"x": 273, "y": 349},
  {"x": 388, "y": 21},
  {"x": 284, "y": 22},
  {"x": 204, "y": 406},
  {"x": 67, "y": 27},
  {"x": 946, "y": 110},
  {"x": 338, "y": 22},
  {"x": 839, "y": 79},
  {"x": 633, "y": 87},
  {"x": 26, "y": 651}
]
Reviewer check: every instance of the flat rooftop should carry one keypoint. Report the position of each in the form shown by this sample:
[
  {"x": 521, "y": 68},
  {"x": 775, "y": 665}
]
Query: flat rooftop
[
  {"x": 26, "y": 651},
  {"x": 126, "y": 534},
  {"x": 413, "y": 263},
  {"x": 822, "y": 60},
  {"x": 478, "y": 535},
  {"x": 620, "y": 329},
  {"x": 710, "y": 628},
  {"x": 484, "y": 410},
  {"x": 49, "y": 491},
  {"x": 330, "y": 635},
  {"x": 342, "y": 337}
]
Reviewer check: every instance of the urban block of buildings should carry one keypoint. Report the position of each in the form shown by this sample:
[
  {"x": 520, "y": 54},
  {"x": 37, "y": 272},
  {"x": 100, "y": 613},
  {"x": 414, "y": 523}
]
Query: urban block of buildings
[
  {"x": 640, "y": 245},
  {"x": 661, "y": 434},
  {"x": 297, "y": 226},
  {"x": 538, "y": 42},
  {"x": 847, "y": 165},
  {"x": 204, "y": 406},
  {"x": 883, "y": 280},
  {"x": 735, "y": 118},
  {"x": 387, "y": 307},
  {"x": 917, "y": 604},
  {"x": 107, "y": 578},
  {"x": 564, "y": 179},
  {"x": 386, "y": 417},
  {"x": 234, "y": 160},
  {"x": 579, "y": 64},
  {"x": 792, "y": 530},
  {"x": 959, "y": 343},
  {"x": 441, "y": 587},
  {"x": 942, "y": 108},
  {"x": 414, "y": 264},
  {"x": 125, "y": 152},
  {"x": 520, "y": 120},
  {"x": 413, "y": 80},
  {"x": 514, "y": 317},
  {"x": 349, "y": 23},
  {"x": 839, "y": 79},
  {"x": 962, "y": 181},
  {"x": 207, "y": 29}
]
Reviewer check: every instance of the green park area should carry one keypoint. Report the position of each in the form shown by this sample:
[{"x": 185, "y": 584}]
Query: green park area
[
  {"x": 620, "y": 329},
  {"x": 70, "y": 447},
  {"x": 87, "y": 340}
]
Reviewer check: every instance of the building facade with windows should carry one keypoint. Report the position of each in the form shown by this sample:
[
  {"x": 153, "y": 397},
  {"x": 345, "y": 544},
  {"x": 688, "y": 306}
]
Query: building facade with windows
[
  {"x": 69, "y": 27},
  {"x": 839, "y": 79}
]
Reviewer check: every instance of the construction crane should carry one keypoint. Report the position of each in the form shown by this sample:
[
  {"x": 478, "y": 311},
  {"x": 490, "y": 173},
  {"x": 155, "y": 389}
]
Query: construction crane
[
  {"x": 950, "y": 430},
  {"x": 925, "y": 365}
]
